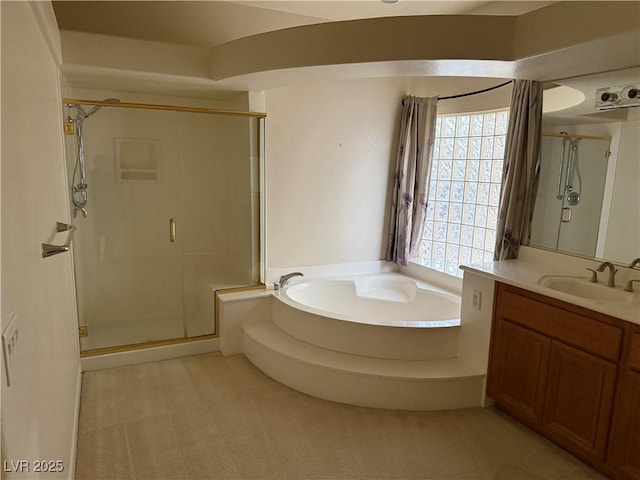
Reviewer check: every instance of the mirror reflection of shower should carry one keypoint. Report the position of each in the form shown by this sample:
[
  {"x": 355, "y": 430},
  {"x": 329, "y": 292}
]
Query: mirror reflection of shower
[
  {"x": 79, "y": 187},
  {"x": 570, "y": 213},
  {"x": 573, "y": 179}
]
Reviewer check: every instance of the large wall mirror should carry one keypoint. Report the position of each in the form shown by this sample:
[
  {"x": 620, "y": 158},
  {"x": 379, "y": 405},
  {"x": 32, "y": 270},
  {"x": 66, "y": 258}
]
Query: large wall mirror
[{"x": 588, "y": 200}]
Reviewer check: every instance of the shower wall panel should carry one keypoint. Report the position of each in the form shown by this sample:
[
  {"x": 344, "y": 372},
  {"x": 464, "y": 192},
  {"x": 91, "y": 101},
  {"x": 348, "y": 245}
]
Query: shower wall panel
[
  {"x": 546, "y": 215},
  {"x": 623, "y": 227},
  {"x": 216, "y": 212}
]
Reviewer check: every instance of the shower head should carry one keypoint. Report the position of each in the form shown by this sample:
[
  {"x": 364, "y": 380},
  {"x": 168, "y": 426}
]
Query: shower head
[{"x": 108, "y": 101}]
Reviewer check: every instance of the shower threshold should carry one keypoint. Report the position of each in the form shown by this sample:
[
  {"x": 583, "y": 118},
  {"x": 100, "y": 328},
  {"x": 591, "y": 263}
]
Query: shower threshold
[
  {"x": 155, "y": 350},
  {"x": 125, "y": 355},
  {"x": 142, "y": 345}
]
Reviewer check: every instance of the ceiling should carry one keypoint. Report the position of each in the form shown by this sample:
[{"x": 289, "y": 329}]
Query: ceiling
[
  {"x": 207, "y": 23},
  {"x": 212, "y": 23}
]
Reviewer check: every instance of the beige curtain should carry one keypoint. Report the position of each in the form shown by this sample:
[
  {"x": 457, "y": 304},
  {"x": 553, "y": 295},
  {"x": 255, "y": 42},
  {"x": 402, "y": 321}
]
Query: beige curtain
[
  {"x": 521, "y": 168},
  {"x": 413, "y": 165}
]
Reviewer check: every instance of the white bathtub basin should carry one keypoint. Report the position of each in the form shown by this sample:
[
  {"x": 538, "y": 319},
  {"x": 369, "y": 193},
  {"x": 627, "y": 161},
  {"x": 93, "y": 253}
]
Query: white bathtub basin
[
  {"x": 386, "y": 288},
  {"x": 383, "y": 299}
]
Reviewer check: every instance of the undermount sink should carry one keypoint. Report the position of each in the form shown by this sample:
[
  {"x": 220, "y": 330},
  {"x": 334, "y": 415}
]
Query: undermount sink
[{"x": 581, "y": 287}]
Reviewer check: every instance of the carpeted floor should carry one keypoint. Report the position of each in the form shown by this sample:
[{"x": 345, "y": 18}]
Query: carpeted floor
[{"x": 209, "y": 417}]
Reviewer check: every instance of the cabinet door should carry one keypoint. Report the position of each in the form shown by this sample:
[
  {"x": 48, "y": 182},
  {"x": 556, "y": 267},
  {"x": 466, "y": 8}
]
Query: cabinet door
[
  {"x": 579, "y": 399},
  {"x": 625, "y": 440},
  {"x": 518, "y": 370}
]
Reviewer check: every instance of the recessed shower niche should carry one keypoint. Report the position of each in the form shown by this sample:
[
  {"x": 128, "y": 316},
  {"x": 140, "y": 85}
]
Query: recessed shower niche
[
  {"x": 137, "y": 159},
  {"x": 172, "y": 214}
]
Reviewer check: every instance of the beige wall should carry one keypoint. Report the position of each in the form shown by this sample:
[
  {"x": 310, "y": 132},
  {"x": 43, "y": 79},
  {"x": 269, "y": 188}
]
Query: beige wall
[
  {"x": 623, "y": 233},
  {"x": 330, "y": 157},
  {"x": 329, "y": 151},
  {"x": 39, "y": 408}
]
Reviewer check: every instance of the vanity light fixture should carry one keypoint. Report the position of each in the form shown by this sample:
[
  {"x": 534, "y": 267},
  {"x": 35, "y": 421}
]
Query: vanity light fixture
[{"x": 618, "y": 96}]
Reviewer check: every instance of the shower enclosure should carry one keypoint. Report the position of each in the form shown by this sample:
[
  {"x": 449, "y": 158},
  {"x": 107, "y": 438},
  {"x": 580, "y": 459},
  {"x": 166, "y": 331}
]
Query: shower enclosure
[
  {"x": 168, "y": 213},
  {"x": 568, "y": 209}
]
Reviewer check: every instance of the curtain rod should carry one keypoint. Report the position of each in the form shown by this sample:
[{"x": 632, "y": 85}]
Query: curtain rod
[{"x": 468, "y": 94}]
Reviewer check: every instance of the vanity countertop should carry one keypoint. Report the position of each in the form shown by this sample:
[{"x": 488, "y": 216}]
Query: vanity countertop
[{"x": 524, "y": 274}]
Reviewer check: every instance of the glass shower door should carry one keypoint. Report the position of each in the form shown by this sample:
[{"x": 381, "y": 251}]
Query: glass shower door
[
  {"x": 173, "y": 216},
  {"x": 129, "y": 272}
]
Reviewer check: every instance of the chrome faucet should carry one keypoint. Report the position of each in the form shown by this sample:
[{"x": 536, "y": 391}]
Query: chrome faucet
[
  {"x": 634, "y": 263},
  {"x": 629, "y": 286},
  {"x": 284, "y": 279},
  {"x": 612, "y": 272},
  {"x": 594, "y": 275}
]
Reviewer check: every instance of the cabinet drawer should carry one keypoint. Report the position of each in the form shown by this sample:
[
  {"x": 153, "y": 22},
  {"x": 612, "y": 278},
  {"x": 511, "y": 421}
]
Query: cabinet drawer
[
  {"x": 586, "y": 333},
  {"x": 634, "y": 352}
]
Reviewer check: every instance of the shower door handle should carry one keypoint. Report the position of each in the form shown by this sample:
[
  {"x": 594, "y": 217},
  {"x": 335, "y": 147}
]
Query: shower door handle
[{"x": 172, "y": 230}]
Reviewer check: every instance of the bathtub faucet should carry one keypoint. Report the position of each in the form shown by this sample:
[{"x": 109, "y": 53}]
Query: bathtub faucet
[{"x": 284, "y": 279}]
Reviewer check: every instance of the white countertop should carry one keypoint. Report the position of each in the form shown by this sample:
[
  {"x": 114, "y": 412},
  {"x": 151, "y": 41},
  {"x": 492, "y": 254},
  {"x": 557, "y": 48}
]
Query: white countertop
[{"x": 525, "y": 274}]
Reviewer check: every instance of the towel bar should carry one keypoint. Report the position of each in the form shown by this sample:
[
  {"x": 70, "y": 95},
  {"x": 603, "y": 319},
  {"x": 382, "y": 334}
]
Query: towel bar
[{"x": 49, "y": 249}]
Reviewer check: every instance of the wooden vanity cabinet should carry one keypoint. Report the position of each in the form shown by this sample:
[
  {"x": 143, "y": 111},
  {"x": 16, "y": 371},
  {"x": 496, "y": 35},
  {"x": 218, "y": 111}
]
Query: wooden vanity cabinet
[
  {"x": 518, "y": 370},
  {"x": 556, "y": 367},
  {"x": 578, "y": 401},
  {"x": 624, "y": 452}
]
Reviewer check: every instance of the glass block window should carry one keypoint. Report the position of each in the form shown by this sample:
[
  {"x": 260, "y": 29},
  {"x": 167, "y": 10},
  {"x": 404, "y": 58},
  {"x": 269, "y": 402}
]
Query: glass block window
[{"x": 464, "y": 191}]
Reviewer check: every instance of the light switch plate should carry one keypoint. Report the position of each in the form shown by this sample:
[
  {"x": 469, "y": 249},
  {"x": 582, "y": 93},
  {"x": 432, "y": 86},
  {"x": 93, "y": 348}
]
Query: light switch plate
[
  {"x": 476, "y": 300},
  {"x": 10, "y": 347}
]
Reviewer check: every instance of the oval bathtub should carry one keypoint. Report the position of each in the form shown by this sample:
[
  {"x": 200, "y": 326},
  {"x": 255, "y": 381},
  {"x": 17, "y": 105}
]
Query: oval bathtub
[{"x": 384, "y": 315}]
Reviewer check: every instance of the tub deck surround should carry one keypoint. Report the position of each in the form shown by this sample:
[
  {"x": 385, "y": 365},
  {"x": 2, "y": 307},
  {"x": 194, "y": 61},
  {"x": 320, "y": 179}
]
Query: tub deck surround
[
  {"x": 358, "y": 338},
  {"x": 330, "y": 271},
  {"x": 411, "y": 363}
]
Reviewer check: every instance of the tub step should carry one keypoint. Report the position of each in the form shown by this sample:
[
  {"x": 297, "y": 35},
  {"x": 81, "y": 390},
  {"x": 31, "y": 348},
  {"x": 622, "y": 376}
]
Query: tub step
[
  {"x": 369, "y": 340},
  {"x": 360, "y": 380}
]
